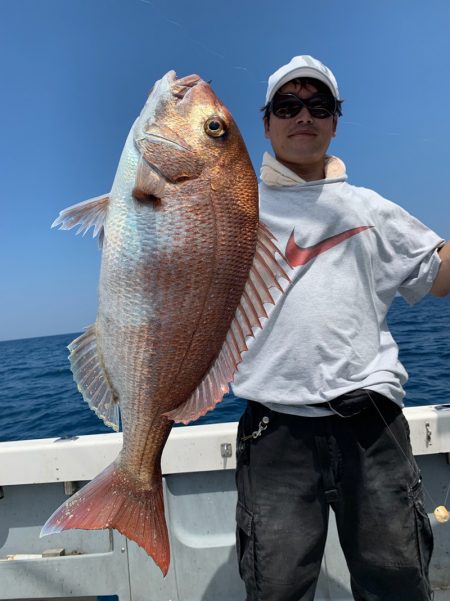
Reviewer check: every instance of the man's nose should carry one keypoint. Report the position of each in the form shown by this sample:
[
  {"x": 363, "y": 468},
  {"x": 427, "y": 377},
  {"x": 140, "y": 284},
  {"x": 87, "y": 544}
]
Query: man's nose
[{"x": 304, "y": 116}]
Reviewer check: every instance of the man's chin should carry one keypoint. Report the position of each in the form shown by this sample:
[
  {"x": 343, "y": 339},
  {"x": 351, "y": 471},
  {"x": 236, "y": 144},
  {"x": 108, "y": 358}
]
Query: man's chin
[{"x": 301, "y": 159}]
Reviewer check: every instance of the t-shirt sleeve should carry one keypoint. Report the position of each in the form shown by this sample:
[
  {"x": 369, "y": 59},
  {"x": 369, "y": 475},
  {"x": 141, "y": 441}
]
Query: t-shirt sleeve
[
  {"x": 415, "y": 259},
  {"x": 419, "y": 282}
]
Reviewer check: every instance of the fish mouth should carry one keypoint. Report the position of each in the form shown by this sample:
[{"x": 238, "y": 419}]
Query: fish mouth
[
  {"x": 158, "y": 137},
  {"x": 159, "y": 140},
  {"x": 181, "y": 86},
  {"x": 169, "y": 84}
]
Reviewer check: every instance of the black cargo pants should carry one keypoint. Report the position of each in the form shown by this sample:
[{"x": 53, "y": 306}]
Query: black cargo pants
[{"x": 291, "y": 469}]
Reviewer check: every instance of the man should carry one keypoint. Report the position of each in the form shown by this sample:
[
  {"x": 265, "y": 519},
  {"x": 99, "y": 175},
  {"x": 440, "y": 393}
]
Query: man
[{"x": 324, "y": 426}]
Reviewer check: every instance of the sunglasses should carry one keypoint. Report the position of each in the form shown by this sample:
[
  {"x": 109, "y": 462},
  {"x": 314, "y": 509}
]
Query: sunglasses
[{"x": 286, "y": 106}]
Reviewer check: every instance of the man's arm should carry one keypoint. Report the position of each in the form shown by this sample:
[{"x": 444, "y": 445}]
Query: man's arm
[{"x": 441, "y": 285}]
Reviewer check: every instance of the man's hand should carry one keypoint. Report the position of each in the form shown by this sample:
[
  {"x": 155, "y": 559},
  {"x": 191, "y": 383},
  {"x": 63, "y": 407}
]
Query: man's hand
[{"x": 441, "y": 285}]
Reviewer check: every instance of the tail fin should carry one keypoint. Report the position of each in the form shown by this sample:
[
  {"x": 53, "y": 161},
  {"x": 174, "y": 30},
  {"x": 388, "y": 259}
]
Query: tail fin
[{"x": 114, "y": 499}]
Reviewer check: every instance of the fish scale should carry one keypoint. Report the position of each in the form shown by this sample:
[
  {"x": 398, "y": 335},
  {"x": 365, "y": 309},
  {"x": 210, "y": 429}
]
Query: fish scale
[{"x": 185, "y": 272}]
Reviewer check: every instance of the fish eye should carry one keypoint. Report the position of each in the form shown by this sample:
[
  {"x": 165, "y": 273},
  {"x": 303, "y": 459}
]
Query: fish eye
[{"x": 215, "y": 127}]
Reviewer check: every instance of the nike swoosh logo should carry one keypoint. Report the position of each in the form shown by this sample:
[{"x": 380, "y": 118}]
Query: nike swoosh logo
[{"x": 298, "y": 255}]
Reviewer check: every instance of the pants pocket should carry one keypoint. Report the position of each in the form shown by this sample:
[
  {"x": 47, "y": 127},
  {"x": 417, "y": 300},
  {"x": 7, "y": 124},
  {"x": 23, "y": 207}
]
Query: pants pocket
[
  {"x": 424, "y": 533},
  {"x": 245, "y": 547}
]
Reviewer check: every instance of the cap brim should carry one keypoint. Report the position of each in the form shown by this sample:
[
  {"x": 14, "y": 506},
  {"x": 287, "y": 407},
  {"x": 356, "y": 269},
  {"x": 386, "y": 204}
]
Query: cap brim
[{"x": 303, "y": 72}]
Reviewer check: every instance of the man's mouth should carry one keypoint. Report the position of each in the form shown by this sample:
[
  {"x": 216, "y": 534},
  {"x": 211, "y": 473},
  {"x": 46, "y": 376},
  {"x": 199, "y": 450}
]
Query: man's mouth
[{"x": 302, "y": 132}]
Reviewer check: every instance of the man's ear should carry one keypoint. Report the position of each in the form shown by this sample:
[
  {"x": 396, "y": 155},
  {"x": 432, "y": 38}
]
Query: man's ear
[
  {"x": 267, "y": 127},
  {"x": 335, "y": 122}
]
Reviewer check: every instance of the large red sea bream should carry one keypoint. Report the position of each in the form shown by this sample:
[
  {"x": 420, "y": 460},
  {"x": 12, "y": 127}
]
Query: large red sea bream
[{"x": 186, "y": 270}]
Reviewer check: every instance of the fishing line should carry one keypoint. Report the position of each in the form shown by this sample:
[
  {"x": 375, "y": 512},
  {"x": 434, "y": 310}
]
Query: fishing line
[
  {"x": 440, "y": 512},
  {"x": 411, "y": 464},
  {"x": 446, "y": 496},
  {"x": 198, "y": 42}
]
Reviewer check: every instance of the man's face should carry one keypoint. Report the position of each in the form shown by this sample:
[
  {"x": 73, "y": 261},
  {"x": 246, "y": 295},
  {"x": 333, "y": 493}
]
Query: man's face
[{"x": 303, "y": 139}]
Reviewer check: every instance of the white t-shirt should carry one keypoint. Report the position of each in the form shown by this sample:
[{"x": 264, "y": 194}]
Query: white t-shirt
[{"x": 351, "y": 251}]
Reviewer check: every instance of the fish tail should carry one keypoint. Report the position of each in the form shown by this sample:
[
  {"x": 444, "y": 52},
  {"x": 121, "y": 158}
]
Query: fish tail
[{"x": 115, "y": 499}]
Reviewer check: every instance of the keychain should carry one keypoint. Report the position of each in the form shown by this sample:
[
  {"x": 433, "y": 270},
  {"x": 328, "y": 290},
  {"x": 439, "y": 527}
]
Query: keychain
[{"x": 261, "y": 427}]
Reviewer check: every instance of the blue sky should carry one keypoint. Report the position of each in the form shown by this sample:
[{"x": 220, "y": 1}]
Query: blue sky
[{"x": 75, "y": 74}]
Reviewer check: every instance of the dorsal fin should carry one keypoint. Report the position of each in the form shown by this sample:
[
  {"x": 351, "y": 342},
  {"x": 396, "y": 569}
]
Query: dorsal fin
[
  {"x": 89, "y": 374},
  {"x": 86, "y": 214},
  {"x": 264, "y": 274}
]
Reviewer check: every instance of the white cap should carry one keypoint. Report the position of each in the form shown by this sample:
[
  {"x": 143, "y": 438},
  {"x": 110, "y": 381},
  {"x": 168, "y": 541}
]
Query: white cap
[{"x": 301, "y": 66}]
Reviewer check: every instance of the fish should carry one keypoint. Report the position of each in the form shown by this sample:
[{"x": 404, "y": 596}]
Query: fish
[{"x": 186, "y": 272}]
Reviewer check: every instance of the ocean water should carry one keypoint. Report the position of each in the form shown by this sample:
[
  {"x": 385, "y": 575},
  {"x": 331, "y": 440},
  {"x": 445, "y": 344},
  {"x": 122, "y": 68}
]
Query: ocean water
[{"x": 39, "y": 399}]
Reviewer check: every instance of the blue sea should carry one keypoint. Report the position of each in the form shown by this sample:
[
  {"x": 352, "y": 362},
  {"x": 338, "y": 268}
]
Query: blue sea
[{"x": 39, "y": 399}]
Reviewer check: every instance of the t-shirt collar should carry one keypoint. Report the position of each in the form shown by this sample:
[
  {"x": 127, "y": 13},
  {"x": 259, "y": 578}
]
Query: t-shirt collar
[{"x": 274, "y": 173}]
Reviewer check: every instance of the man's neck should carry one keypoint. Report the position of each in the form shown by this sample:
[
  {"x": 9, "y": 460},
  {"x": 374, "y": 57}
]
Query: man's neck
[{"x": 309, "y": 173}]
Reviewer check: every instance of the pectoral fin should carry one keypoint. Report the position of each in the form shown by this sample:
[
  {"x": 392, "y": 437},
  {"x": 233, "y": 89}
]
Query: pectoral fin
[
  {"x": 263, "y": 275},
  {"x": 86, "y": 214},
  {"x": 149, "y": 184}
]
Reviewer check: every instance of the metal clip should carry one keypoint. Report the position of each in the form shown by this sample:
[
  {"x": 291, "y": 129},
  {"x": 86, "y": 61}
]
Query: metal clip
[
  {"x": 261, "y": 427},
  {"x": 428, "y": 434},
  {"x": 226, "y": 450}
]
